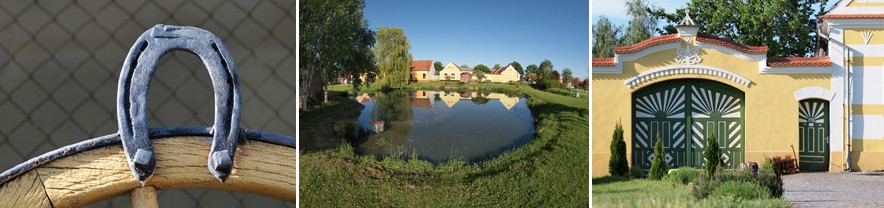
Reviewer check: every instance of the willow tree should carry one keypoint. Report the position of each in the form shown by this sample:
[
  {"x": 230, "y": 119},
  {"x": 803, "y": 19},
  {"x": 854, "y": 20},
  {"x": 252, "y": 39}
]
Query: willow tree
[
  {"x": 335, "y": 41},
  {"x": 393, "y": 57}
]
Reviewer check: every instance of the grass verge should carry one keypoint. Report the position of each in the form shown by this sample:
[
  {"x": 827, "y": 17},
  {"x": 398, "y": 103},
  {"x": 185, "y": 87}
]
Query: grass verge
[
  {"x": 549, "y": 171},
  {"x": 612, "y": 191}
]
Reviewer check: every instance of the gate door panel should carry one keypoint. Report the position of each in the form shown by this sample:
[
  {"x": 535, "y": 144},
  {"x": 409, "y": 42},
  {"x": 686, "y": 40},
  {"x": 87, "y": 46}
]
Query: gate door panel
[
  {"x": 717, "y": 109},
  {"x": 813, "y": 134},
  {"x": 682, "y": 113},
  {"x": 660, "y": 112}
]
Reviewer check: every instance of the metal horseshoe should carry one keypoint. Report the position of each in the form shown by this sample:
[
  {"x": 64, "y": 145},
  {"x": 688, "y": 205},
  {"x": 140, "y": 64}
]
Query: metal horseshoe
[{"x": 134, "y": 83}]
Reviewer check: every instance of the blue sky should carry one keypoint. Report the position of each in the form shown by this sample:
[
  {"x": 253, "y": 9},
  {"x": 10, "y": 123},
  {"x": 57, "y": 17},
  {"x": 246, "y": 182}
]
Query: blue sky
[
  {"x": 615, "y": 10},
  {"x": 491, "y": 32}
]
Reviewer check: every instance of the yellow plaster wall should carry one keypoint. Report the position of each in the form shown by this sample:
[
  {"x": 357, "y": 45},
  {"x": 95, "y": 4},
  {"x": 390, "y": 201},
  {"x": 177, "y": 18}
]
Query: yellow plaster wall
[
  {"x": 419, "y": 76},
  {"x": 450, "y": 69},
  {"x": 771, "y": 109},
  {"x": 855, "y": 3},
  {"x": 854, "y": 36}
]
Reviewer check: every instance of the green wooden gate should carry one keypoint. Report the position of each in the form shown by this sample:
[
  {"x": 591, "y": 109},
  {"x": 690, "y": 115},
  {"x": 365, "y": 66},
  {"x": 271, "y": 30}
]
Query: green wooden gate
[
  {"x": 813, "y": 134},
  {"x": 668, "y": 108}
]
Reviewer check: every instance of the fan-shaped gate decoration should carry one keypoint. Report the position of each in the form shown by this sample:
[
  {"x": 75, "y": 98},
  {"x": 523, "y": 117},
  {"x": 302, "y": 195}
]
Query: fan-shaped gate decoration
[{"x": 164, "y": 158}]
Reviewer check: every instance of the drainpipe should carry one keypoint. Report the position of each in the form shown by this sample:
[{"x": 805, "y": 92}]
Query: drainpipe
[{"x": 846, "y": 95}]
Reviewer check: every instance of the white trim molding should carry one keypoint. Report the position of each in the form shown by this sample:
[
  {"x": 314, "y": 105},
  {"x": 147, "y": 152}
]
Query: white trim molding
[
  {"x": 677, "y": 70},
  {"x": 814, "y": 92},
  {"x": 797, "y": 70}
]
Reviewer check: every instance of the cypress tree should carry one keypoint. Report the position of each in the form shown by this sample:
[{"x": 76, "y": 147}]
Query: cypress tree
[
  {"x": 712, "y": 154},
  {"x": 659, "y": 168},
  {"x": 618, "y": 166}
]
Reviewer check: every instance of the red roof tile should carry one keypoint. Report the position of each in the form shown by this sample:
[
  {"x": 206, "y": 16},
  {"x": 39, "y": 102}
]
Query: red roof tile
[
  {"x": 852, "y": 16},
  {"x": 799, "y": 61},
  {"x": 422, "y": 65},
  {"x": 671, "y": 38},
  {"x": 603, "y": 62},
  {"x": 498, "y": 71}
]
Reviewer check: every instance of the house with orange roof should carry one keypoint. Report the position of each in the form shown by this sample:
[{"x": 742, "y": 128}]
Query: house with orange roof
[
  {"x": 504, "y": 75},
  {"x": 422, "y": 71}
]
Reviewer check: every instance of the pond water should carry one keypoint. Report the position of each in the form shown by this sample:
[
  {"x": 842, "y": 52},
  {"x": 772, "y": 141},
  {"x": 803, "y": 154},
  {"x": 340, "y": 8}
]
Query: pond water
[{"x": 438, "y": 126}]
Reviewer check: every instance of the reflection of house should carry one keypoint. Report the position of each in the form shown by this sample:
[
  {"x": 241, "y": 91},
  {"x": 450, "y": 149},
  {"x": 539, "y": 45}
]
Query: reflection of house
[
  {"x": 507, "y": 101},
  {"x": 503, "y": 75},
  {"x": 364, "y": 98},
  {"x": 422, "y": 99},
  {"x": 423, "y": 71},
  {"x": 456, "y": 73},
  {"x": 451, "y": 98}
]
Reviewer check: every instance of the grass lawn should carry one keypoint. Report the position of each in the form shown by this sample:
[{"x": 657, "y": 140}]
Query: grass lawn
[
  {"x": 610, "y": 191},
  {"x": 549, "y": 171}
]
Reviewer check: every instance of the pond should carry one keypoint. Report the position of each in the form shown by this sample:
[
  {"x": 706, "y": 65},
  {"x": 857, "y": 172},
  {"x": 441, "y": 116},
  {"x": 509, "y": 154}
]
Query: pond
[{"x": 438, "y": 126}]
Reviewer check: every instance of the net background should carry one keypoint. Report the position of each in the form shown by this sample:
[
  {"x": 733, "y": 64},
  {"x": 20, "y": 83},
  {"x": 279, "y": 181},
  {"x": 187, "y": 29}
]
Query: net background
[{"x": 60, "y": 62}]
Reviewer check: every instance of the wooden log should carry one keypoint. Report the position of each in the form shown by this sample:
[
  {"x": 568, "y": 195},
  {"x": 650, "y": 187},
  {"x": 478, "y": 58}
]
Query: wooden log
[
  {"x": 24, "y": 191},
  {"x": 144, "y": 197},
  {"x": 259, "y": 168}
]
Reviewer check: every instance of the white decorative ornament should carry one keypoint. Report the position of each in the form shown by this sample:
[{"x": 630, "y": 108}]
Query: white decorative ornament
[
  {"x": 688, "y": 55},
  {"x": 867, "y": 35}
]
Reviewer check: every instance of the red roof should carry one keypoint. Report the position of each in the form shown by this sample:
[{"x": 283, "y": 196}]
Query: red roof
[
  {"x": 852, "y": 16},
  {"x": 531, "y": 75},
  {"x": 498, "y": 71},
  {"x": 422, "y": 65},
  {"x": 671, "y": 38},
  {"x": 799, "y": 61},
  {"x": 603, "y": 62}
]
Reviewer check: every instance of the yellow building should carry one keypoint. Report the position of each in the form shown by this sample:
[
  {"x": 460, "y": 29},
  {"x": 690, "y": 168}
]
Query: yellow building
[
  {"x": 423, "y": 71},
  {"x": 452, "y": 72},
  {"x": 684, "y": 88},
  {"x": 504, "y": 75}
]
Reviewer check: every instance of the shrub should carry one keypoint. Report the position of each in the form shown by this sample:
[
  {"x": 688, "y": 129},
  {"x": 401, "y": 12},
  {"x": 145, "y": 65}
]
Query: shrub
[
  {"x": 707, "y": 184},
  {"x": 683, "y": 175},
  {"x": 741, "y": 190},
  {"x": 547, "y": 84},
  {"x": 659, "y": 168},
  {"x": 769, "y": 178},
  {"x": 712, "y": 154},
  {"x": 636, "y": 172},
  {"x": 618, "y": 166}
]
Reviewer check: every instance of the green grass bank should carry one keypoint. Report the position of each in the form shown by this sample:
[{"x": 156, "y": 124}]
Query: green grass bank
[{"x": 549, "y": 171}]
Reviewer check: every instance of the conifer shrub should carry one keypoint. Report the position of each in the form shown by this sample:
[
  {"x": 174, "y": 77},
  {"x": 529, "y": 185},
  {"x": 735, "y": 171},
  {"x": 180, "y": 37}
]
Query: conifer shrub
[
  {"x": 617, "y": 165},
  {"x": 659, "y": 168},
  {"x": 712, "y": 153}
]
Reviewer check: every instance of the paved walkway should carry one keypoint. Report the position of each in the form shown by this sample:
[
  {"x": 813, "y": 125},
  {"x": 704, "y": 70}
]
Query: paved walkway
[{"x": 835, "y": 189}]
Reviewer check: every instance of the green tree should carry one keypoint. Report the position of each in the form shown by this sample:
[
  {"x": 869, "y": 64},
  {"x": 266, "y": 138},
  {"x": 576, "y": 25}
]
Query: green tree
[
  {"x": 335, "y": 42},
  {"x": 496, "y": 66},
  {"x": 605, "y": 36},
  {"x": 788, "y": 28},
  {"x": 643, "y": 24},
  {"x": 659, "y": 168},
  {"x": 567, "y": 75},
  {"x": 712, "y": 154},
  {"x": 545, "y": 71},
  {"x": 464, "y": 66},
  {"x": 532, "y": 69},
  {"x": 618, "y": 166},
  {"x": 482, "y": 67},
  {"x": 438, "y": 66},
  {"x": 393, "y": 57},
  {"x": 480, "y": 75}
]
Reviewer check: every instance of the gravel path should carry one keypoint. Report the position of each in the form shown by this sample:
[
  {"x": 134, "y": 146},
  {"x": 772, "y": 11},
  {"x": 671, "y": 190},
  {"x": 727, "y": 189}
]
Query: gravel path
[{"x": 835, "y": 189}]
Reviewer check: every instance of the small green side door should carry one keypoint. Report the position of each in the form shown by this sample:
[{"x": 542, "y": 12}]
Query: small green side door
[{"x": 813, "y": 135}]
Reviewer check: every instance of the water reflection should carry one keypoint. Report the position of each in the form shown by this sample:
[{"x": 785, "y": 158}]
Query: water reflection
[{"x": 441, "y": 125}]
